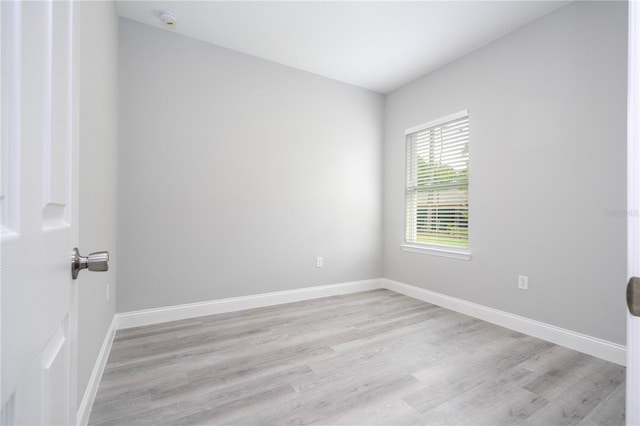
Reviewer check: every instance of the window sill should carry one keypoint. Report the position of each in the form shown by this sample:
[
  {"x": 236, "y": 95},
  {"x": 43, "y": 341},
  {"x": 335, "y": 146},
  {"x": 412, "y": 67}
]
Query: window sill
[{"x": 437, "y": 251}]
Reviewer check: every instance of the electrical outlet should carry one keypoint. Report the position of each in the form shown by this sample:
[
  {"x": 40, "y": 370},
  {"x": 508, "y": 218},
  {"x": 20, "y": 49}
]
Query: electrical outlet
[
  {"x": 319, "y": 262},
  {"x": 523, "y": 282},
  {"x": 108, "y": 293}
]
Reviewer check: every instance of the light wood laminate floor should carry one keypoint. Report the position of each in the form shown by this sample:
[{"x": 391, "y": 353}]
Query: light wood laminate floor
[{"x": 371, "y": 358}]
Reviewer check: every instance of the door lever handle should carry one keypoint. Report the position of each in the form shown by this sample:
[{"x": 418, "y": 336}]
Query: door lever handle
[
  {"x": 633, "y": 296},
  {"x": 98, "y": 261}
]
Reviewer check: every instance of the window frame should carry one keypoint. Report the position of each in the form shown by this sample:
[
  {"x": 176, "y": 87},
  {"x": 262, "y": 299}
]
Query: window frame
[{"x": 444, "y": 250}]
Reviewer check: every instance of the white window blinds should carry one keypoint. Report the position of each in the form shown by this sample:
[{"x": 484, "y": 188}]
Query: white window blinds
[{"x": 437, "y": 195}]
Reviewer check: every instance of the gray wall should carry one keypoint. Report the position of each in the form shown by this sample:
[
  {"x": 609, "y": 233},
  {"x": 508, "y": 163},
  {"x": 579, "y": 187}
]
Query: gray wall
[
  {"x": 98, "y": 175},
  {"x": 237, "y": 172},
  {"x": 547, "y": 144}
]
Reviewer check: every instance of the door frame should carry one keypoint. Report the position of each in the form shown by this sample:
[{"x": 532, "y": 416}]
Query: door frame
[
  {"x": 74, "y": 181},
  {"x": 633, "y": 211}
]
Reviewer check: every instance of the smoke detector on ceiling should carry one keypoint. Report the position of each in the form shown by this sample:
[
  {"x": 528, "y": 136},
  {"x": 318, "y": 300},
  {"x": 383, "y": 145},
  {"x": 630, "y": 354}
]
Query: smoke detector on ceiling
[{"x": 168, "y": 19}]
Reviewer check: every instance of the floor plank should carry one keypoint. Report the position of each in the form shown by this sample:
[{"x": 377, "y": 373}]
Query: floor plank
[{"x": 374, "y": 357}]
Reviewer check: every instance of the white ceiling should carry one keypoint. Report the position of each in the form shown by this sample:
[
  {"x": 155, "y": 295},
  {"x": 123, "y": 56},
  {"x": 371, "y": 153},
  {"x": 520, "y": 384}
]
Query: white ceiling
[{"x": 376, "y": 45}]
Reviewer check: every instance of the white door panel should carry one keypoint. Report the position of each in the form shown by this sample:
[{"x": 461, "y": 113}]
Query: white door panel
[{"x": 38, "y": 229}]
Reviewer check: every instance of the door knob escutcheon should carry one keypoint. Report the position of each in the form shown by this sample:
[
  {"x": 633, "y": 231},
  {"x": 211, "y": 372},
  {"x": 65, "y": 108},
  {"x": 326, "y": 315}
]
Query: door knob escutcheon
[{"x": 98, "y": 261}]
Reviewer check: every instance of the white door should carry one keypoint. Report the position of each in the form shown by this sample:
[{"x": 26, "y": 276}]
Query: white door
[
  {"x": 39, "y": 226},
  {"x": 633, "y": 223}
]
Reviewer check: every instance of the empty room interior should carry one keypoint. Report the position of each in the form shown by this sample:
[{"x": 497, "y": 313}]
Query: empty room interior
[{"x": 352, "y": 212}]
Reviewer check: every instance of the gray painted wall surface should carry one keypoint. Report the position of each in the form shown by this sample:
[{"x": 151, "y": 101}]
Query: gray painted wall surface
[
  {"x": 237, "y": 172},
  {"x": 547, "y": 144},
  {"x": 98, "y": 176}
]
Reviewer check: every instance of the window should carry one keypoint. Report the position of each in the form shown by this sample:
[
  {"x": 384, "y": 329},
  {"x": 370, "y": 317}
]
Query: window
[{"x": 437, "y": 193}]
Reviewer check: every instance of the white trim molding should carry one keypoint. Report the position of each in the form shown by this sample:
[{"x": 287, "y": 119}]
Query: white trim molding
[
  {"x": 600, "y": 348},
  {"x": 437, "y": 251},
  {"x": 603, "y": 349},
  {"x": 84, "y": 410},
  {"x": 194, "y": 310},
  {"x": 437, "y": 121},
  {"x": 633, "y": 209},
  {"x": 580, "y": 342}
]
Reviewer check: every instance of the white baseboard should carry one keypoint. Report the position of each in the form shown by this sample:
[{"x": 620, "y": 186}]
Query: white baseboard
[
  {"x": 580, "y": 342},
  {"x": 194, "y": 310},
  {"x": 603, "y": 349},
  {"x": 84, "y": 410}
]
